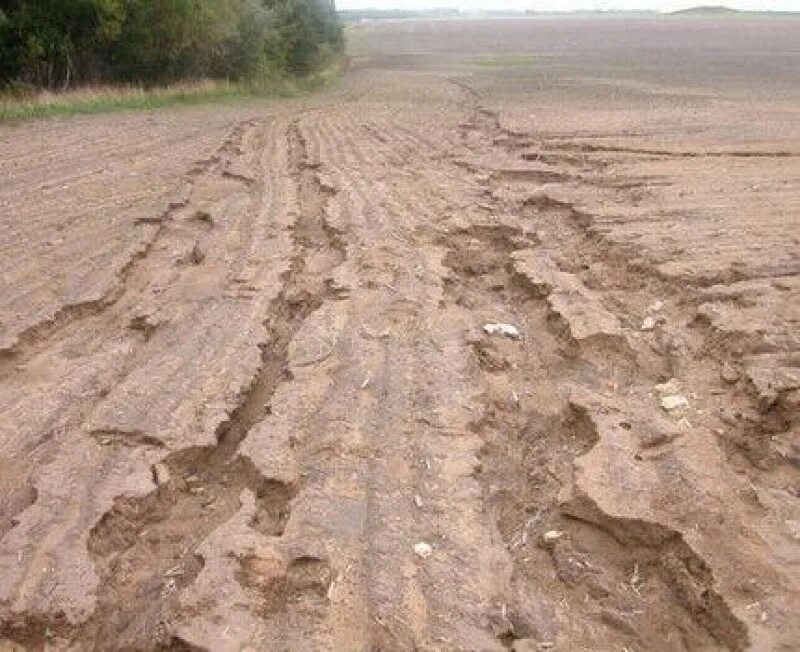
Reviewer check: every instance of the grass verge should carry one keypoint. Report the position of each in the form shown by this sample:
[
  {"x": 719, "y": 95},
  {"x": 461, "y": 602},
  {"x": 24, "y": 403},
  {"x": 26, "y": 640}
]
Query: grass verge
[{"x": 104, "y": 99}]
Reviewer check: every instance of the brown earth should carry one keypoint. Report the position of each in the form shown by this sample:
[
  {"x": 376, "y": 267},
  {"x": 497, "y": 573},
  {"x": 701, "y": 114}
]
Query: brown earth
[{"x": 243, "y": 370}]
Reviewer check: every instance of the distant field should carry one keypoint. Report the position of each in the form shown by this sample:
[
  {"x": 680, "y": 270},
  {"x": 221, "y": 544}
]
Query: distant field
[
  {"x": 505, "y": 60},
  {"x": 754, "y": 55}
]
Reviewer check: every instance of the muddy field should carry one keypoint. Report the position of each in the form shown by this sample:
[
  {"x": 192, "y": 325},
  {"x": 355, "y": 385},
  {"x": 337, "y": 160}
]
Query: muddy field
[{"x": 249, "y": 401}]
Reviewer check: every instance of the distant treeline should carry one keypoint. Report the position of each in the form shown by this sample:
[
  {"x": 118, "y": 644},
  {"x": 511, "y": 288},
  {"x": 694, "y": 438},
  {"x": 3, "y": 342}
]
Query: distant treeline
[
  {"x": 357, "y": 15},
  {"x": 721, "y": 10},
  {"x": 354, "y": 15},
  {"x": 57, "y": 44}
]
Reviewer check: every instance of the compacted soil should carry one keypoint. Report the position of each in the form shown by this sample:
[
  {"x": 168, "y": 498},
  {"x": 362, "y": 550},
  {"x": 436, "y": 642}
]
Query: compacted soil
[{"x": 249, "y": 401}]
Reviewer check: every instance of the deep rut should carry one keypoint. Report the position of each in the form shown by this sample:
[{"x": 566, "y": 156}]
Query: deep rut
[
  {"x": 145, "y": 548},
  {"x": 627, "y": 285},
  {"x": 586, "y": 147},
  {"x": 638, "y": 579},
  {"x": 74, "y": 324},
  {"x": 625, "y": 572}
]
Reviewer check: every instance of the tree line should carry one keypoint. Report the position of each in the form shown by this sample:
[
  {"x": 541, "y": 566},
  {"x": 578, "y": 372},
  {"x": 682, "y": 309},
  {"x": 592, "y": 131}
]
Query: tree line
[{"x": 57, "y": 44}]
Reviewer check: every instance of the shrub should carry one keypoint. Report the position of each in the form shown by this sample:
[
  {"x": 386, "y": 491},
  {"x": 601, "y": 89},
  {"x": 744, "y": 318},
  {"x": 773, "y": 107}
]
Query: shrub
[{"x": 55, "y": 44}]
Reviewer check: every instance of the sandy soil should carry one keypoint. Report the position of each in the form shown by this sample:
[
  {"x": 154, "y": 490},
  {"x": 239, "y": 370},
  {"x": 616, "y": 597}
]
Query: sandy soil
[{"x": 249, "y": 403}]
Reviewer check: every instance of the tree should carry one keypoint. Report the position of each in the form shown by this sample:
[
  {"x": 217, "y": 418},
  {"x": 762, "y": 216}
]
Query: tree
[
  {"x": 304, "y": 32},
  {"x": 50, "y": 43},
  {"x": 56, "y": 43}
]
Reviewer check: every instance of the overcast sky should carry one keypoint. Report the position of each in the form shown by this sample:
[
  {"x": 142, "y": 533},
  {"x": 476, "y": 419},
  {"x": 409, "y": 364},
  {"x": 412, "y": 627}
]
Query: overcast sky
[{"x": 567, "y": 5}]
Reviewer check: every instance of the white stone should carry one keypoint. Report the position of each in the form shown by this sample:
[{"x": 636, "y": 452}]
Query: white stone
[
  {"x": 552, "y": 535},
  {"x": 506, "y": 330},
  {"x": 673, "y": 402}
]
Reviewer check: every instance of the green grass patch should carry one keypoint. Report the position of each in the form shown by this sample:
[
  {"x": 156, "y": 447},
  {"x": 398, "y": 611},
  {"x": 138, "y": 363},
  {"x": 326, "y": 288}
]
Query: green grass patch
[
  {"x": 17, "y": 107},
  {"x": 103, "y": 99},
  {"x": 508, "y": 59}
]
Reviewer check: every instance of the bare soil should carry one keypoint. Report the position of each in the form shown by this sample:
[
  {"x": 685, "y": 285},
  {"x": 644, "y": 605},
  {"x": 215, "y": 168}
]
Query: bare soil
[{"x": 243, "y": 369}]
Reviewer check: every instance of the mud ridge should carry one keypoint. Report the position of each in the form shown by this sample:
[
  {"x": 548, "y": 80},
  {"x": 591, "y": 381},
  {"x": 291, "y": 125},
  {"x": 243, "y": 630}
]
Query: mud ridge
[
  {"x": 28, "y": 341},
  {"x": 606, "y": 267},
  {"x": 486, "y": 122},
  {"x": 662, "y": 550},
  {"x": 67, "y": 321}
]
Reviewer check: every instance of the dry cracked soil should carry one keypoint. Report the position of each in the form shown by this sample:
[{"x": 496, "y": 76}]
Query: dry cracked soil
[{"x": 248, "y": 401}]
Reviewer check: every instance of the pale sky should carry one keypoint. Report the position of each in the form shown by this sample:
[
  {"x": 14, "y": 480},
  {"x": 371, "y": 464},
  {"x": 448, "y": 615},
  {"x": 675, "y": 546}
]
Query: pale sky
[{"x": 568, "y": 5}]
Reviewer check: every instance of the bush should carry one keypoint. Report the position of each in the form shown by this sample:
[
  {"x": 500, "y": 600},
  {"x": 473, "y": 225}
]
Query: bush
[{"x": 55, "y": 44}]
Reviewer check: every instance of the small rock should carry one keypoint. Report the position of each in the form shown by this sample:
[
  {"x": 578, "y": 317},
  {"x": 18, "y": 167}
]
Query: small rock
[
  {"x": 655, "y": 306},
  {"x": 506, "y": 330},
  {"x": 549, "y": 539},
  {"x": 657, "y": 435},
  {"x": 552, "y": 535},
  {"x": 729, "y": 373},
  {"x": 175, "y": 571},
  {"x": 423, "y": 549},
  {"x": 649, "y": 323},
  {"x": 417, "y": 501},
  {"x": 673, "y": 402}
]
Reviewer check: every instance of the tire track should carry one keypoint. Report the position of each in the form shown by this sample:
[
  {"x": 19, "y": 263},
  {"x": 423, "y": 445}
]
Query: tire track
[
  {"x": 144, "y": 548},
  {"x": 586, "y": 147},
  {"x": 531, "y": 435},
  {"x": 74, "y": 324},
  {"x": 268, "y": 466}
]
